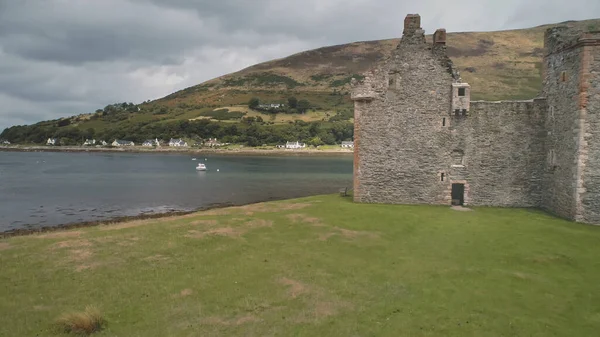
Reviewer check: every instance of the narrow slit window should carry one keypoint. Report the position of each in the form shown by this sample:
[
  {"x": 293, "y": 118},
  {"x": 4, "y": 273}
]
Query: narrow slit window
[
  {"x": 391, "y": 81},
  {"x": 443, "y": 121},
  {"x": 563, "y": 76},
  {"x": 442, "y": 176},
  {"x": 462, "y": 92}
]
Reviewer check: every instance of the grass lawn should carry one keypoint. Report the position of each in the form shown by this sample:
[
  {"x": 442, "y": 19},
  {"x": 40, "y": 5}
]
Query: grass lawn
[{"x": 318, "y": 266}]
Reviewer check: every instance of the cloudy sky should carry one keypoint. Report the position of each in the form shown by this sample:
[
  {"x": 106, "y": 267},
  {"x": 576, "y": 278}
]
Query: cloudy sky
[{"x": 65, "y": 57}]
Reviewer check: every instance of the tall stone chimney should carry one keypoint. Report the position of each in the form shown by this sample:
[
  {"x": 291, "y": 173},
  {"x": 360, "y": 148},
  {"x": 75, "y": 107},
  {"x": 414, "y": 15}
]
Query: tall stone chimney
[
  {"x": 439, "y": 37},
  {"x": 413, "y": 33},
  {"x": 412, "y": 22}
]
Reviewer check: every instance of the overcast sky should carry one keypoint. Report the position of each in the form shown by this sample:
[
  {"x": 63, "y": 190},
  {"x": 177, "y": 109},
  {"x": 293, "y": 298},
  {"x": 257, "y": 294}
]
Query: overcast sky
[{"x": 64, "y": 57}]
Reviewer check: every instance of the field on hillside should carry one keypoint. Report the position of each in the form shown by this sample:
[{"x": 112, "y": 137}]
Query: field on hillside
[{"x": 317, "y": 266}]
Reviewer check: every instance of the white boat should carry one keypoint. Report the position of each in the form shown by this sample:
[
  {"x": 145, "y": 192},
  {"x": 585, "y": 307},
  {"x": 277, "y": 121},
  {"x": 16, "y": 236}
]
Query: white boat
[
  {"x": 193, "y": 158},
  {"x": 201, "y": 167}
]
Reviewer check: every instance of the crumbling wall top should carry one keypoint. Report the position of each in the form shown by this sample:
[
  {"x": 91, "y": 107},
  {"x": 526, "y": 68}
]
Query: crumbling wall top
[{"x": 563, "y": 37}]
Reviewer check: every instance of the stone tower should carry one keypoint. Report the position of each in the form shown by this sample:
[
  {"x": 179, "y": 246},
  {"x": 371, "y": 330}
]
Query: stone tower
[
  {"x": 572, "y": 87},
  {"x": 402, "y": 114},
  {"x": 419, "y": 139}
]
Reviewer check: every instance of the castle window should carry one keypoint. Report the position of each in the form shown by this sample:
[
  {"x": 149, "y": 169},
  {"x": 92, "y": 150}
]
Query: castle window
[
  {"x": 391, "y": 82},
  {"x": 457, "y": 112},
  {"x": 462, "y": 92},
  {"x": 443, "y": 121},
  {"x": 442, "y": 176},
  {"x": 563, "y": 76}
]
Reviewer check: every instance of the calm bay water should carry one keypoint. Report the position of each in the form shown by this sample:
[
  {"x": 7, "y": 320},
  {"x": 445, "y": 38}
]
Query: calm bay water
[{"x": 48, "y": 188}]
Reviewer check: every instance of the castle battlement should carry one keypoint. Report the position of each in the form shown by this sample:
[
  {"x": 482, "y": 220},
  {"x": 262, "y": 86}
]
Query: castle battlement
[{"x": 419, "y": 139}]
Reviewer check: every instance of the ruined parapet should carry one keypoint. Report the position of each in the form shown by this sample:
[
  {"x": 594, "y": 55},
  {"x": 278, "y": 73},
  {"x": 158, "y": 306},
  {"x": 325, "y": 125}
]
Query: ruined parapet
[
  {"x": 373, "y": 86},
  {"x": 559, "y": 38},
  {"x": 461, "y": 99}
]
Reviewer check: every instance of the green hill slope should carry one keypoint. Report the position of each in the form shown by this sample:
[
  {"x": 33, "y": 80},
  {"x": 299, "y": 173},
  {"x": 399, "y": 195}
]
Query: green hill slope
[{"x": 498, "y": 65}]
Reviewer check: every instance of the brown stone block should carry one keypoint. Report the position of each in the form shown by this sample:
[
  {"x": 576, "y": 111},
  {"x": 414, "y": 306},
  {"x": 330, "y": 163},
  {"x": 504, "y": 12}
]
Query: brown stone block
[
  {"x": 439, "y": 37},
  {"x": 412, "y": 22}
]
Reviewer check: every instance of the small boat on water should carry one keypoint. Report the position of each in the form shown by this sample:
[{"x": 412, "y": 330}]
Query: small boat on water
[
  {"x": 201, "y": 167},
  {"x": 193, "y": 158}
]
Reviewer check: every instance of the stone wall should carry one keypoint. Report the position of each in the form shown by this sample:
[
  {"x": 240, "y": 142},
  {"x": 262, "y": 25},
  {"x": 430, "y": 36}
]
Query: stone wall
[
  {"x": 503, "y": 147},
  {"x": 589, "y": 197}
]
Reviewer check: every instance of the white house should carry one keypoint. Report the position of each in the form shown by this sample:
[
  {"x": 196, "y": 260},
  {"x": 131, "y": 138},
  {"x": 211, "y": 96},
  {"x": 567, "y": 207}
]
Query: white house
[
  {"x": 148, "y": 143},
  {"x": 5, "y": 142},
  {"x": 177, "y": 142},
  {"x": 271, "y": 106},
  {"x": 103, "y": 143},
  {"x": 348, "y": 144},
  {"x": 52, "y": 141},
  {"x": 212, "y": 142},
  {"x": 89, "y": 142},
  {"x": 294, "y": 145},
  {"x": 119, "y": 143}
]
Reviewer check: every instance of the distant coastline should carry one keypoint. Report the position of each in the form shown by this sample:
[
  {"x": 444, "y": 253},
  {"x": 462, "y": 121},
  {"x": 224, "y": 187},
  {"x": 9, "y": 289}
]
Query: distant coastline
[{"x": 165, "y": 150}]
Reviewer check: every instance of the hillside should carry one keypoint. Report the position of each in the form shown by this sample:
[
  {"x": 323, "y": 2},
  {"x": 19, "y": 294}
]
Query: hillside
[{"x": 498, "y": 65}]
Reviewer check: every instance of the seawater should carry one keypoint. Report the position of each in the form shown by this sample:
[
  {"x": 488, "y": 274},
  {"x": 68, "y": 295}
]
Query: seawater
[{"x": 39, "y": 189}]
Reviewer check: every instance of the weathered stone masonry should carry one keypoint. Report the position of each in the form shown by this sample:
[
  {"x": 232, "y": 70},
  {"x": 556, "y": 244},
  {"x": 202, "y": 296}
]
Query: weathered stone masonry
[{"x": 419, "y": 138}]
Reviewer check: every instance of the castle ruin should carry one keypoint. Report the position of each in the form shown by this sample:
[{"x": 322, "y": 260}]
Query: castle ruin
[{"x": 419, "y": 139}]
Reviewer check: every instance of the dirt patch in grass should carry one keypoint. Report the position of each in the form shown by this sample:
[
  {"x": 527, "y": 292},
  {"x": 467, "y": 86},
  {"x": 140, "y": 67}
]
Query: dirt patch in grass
[
  {"x": 296, "y": 288},
  {"x": 60, "y": 235},
  {"x": 303, "y": 218},
  {"x": 214, "y": 320},
  {"x": 351, "y": 234},
  {"x": 249, "y": 210},
  {"x": 204, "y": 222},
  {"x": 87, "y": 266},
  {"x": 224, "y": 231},
  {"x": 186, "y": 292},
  {"x": 72, "y": 244},
  {"x": 259, "y": 223},
  {"x": 156, "y": 258},
  {"x": 4, "y": 246}
]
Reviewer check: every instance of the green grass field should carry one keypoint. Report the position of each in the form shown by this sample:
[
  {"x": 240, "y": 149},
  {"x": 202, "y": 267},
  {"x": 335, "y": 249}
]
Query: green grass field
[{"x": 318, "y": 266}]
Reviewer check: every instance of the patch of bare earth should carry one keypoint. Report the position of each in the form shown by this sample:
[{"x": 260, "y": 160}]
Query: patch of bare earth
[
  {"x": 184, "y": 293},
  {"x": 230, "y": 231},
  {"x": 225, "y": 231},
  {"x": 4, "y": 246},
  {"x": 235, "y": 321},
  {"x": 319, "y": 303},
  {"x": 60, "y": 235},
  {"x": 296, "y": 288},
  {"x": 156, "y": 258},
  {"x": 305, "y": 219},
  {"x": 351, "y": 234},
  {"x": 72, "y": 244},
  {"x": 249, "y": 210},
  {"x": 259, "y": 223},
  {"x": 79, "y": 253},
  {"x": 204, "y": 222}
]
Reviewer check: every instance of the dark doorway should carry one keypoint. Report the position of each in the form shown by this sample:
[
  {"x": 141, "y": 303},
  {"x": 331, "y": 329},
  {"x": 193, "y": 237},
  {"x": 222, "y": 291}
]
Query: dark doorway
[{"x": 458, "y": 194}]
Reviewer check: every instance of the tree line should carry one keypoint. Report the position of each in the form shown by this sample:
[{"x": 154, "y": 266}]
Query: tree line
[{"x": 251, "y": 132}]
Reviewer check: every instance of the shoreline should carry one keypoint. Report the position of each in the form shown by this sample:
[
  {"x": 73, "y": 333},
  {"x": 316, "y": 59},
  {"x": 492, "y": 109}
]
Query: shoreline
[
  {"x": 167, "y": 150},
  {"x": 122, "y": 219}
]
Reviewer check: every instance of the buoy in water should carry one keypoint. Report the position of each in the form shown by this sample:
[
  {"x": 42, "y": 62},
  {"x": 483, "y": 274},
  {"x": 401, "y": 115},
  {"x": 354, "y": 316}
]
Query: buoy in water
[{"x": 217, "y": 170}]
